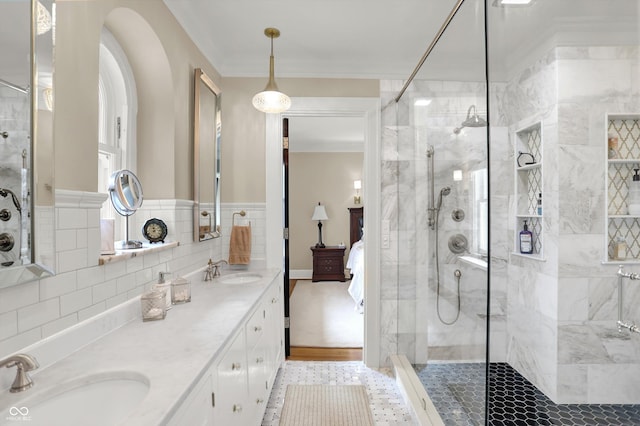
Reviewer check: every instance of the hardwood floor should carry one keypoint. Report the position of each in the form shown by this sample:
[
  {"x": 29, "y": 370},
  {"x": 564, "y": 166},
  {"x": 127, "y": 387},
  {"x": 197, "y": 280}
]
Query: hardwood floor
[{"x": 299, "y": 353}]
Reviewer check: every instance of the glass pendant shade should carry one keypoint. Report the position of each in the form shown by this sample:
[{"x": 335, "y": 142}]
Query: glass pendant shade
[{"x": 271, "y": 100}]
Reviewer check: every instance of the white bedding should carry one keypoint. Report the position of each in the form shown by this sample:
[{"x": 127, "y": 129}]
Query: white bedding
[{"x": 356, "y": 264}]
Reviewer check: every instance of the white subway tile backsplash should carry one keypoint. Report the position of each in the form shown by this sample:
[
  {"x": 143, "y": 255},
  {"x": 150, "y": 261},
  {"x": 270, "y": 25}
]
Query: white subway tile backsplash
[
  {"x": 73, "y": 302},
  {"x": 91, "y": 311},
  {"x": 71, "y": 218},
  {"x": 8, "y": 324},
  {"x": 90, "y": 276},
  {"x": 72, "y": 260},
  {"x": 57, "y": 285},
  {"x": 38, "y": 314},
  {"x": 66, "y": 239},
  {"x": 82, "y": 289},
  {"x": 104, "y": 291},
  {"x": 60, "y": 324},
  {"x": 14, "y": 298}
]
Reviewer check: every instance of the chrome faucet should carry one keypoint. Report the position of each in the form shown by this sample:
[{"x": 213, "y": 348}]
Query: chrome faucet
[
  {"x": 24, "y": 363},
  {"x": 216, "y": 267}
]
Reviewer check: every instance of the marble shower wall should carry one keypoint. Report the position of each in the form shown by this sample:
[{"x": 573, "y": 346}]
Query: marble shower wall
[
  {"x": 409, "y": 285},
  {"x": 14, "y": 119},
  {"x": 562, "y": 333}
]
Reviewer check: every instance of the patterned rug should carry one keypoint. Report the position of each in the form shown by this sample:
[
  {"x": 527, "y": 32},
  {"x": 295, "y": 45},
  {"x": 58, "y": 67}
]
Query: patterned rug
[{"x": 326, "y": 405}]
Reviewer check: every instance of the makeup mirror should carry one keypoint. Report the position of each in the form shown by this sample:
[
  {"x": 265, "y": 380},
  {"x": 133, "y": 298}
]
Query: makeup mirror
[{"x": 125, "y": 192}]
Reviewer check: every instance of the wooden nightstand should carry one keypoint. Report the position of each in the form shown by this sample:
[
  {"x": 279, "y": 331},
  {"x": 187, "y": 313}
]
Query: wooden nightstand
[{"x": 328, "y": 263}]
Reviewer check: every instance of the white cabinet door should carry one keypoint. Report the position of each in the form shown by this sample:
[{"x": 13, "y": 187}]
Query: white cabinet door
[
  {"x": 231, "y": 394},
  {"x": 197, "y": 410}
]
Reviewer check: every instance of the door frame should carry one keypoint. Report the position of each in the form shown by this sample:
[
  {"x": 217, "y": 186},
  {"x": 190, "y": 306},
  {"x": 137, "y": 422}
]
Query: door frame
[{"x": 369, "y": 110}]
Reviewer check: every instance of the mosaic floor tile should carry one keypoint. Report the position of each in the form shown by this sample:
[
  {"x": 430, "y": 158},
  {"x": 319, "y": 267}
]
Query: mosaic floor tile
[
  {"x": 458, "y": 392},
  {"x": 385, "y": 401}
]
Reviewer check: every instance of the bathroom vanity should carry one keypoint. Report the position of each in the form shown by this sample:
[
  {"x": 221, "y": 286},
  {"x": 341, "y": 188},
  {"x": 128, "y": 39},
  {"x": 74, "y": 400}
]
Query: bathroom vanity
[{"x": 212, "y": 361}]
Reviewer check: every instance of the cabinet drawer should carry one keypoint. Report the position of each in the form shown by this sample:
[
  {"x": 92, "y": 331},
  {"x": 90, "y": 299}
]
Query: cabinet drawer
[{"x": 255, "y": 327}]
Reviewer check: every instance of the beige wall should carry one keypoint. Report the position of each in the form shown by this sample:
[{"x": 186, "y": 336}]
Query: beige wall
[
  {"x": 162, "y": 58},
  {"x": 326, "y": 178},
  {"x": 243, "y": 128}
]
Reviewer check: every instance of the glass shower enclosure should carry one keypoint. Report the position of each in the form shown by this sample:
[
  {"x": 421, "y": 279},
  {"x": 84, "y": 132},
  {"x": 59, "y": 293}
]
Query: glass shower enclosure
[{"x": 506, "y": 164}]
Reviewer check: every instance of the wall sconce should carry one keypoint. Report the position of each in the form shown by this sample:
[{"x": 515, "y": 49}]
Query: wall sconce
[
  {"x": 271, "y": 100},
  {"x": 320, "y": 214},
  {"x": 357, "y": 185}
]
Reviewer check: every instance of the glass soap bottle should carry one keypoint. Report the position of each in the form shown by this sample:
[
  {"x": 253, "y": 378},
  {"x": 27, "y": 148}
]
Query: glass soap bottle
[
  {"x": 180, "y": 291},
  {"x": 153, "y": 305}
]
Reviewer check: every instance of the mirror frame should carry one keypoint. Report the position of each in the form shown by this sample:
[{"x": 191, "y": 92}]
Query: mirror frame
[
  {"x": 41, "y": 206},
  {"x": 206, "y": 214}
]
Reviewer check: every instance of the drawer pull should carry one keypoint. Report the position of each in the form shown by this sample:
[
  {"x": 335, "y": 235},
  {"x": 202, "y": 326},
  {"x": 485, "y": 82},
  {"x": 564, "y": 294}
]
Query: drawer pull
[
  {"x": 274, "y": 300},
  {"x": 236, "y": 366},
  {"x": 237, "y": 408},
  {"x": 259, "y": 401},
  {"x": 257, "y": 328},
  {"x": 259, "y": 360}
]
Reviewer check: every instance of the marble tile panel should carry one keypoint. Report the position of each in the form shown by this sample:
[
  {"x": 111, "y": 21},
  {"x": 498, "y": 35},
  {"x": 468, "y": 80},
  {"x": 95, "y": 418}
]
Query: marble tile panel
[
  {"x": 573, "y": 299},
  {"x": 580, "y": 255},
  {"x": 579, "y": 344},
  {"x": 572, "y": 384},
  {"x": 583, "y": 79},
  {"x": 603, "y": 299},
  {"x": 614, "y": 384}
]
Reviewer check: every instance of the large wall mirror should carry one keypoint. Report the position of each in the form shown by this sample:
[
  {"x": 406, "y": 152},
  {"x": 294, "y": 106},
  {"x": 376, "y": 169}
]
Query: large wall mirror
[
  {"x": 206, "y": 155},
  {"x": 27, "y": 210}
]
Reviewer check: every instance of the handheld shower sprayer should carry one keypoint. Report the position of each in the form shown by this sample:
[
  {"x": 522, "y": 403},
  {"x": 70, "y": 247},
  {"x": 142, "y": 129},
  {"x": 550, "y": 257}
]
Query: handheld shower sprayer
[
  {"x": 443, "y": 193},
  {"x": 4, "y": 192}
]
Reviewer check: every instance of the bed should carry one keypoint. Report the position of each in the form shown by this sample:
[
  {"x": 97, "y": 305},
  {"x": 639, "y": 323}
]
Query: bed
[{"x": 355, "y": 262}]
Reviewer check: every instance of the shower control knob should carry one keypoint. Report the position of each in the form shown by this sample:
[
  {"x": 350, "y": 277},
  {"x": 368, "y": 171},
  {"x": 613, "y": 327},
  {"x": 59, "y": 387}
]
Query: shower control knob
[
  {"x": 5, "y": 215},
  {"x": 6, "y": 242}
]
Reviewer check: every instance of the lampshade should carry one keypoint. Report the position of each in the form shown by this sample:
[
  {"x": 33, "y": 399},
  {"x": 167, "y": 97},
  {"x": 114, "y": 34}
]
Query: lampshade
[
  {"x": 319, "y": 213},
  {"x": 271, "y": 100},
  {"x": 357, "y": 184}
]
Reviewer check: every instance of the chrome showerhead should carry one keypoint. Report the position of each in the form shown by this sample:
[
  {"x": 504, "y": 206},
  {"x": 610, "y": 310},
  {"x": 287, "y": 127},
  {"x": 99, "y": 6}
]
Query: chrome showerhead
[{"x": 472, "y": 120}]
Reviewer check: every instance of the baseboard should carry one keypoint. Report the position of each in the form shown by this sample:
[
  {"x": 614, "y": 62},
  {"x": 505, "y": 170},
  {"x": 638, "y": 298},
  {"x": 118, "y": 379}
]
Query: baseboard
[
  {"x": 414, "y": 394},
  {"x": 300, "y": 274}
]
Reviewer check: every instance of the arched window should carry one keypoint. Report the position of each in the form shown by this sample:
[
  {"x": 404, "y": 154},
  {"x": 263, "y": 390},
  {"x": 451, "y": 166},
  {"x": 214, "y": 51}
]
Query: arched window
[{"x": 117, "y": 108}]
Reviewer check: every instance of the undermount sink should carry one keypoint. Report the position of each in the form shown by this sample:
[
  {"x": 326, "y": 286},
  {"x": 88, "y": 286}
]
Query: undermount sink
[
  {"x": 240, "y": 278},
  {"x": 100, "y": 399}
]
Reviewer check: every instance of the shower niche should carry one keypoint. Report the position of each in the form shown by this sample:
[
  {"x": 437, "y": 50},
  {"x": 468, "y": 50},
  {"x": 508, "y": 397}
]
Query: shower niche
[
  {"x": 622, "y": 154},
  {"x": 528, "y": 187}
]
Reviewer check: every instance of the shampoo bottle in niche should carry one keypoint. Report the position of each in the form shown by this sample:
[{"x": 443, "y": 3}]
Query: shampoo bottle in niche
[
  {"x": 539, "y": 208},
  {"x": 634, "y": 194},
  {"x": 526, "y": 240}
]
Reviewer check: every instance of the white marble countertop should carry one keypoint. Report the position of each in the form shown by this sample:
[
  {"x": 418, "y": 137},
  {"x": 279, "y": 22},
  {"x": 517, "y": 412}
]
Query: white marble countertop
[{"x": 173, "y": 354}]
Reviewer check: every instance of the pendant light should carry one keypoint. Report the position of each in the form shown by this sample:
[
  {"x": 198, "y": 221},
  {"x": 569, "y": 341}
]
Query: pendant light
[{"x": 271, "y": 100}]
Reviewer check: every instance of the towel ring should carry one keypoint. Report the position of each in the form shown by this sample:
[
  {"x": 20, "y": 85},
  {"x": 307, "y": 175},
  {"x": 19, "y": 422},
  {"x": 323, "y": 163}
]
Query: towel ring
[{"x": 241, "y": 213}]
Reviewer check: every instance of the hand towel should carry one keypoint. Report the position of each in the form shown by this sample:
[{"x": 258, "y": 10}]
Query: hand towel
[{"x": 240, "y": 245}]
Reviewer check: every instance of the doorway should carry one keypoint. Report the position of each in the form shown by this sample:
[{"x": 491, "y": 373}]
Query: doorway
[
  {"x": 324, "y": 158},
  {"x": 369, "y": 109}
]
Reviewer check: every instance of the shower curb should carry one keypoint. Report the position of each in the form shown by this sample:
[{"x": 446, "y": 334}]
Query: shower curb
[{"x": 413, "y": 393}]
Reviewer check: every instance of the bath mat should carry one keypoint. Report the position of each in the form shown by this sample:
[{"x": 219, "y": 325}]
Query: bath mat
[{"x": 326, "y": 405}]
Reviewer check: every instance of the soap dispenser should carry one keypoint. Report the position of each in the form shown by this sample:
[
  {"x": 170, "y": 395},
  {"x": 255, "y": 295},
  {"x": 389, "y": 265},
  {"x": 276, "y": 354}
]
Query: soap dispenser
[
  {"x": 634, "y": 194},
  {"x": 526, "y": 240}
]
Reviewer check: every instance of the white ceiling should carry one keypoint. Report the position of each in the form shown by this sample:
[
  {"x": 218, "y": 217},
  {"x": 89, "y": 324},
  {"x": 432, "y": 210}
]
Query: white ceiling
[{"x": 383, "y": 39}]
